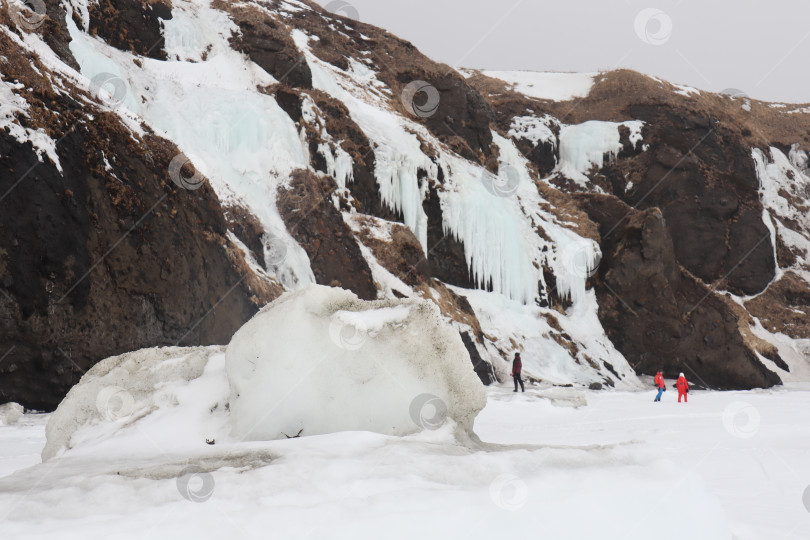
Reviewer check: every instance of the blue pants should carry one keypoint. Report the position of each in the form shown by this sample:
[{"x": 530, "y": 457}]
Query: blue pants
[{"x": 660, "y": 392}]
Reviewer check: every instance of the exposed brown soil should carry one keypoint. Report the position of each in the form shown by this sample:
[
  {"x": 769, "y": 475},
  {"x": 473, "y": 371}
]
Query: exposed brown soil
[{"x": 401, "y": 254}]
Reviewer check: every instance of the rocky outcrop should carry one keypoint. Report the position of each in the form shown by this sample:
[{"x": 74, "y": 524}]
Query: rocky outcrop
[
  {"x": 660, "y": 316},
  {"x": 131, "y": 25},
  {"x": 106, "y": 255},
  {"x": 482, "y": 368},
  {"x": 95, "y": 264},
  {"x": 267, "y": 42},
  {"x": 339, "y": 124},
  {"x": 701, "y": 176},
  {"x": 785, "y": 307},
  {"x": 311, "y": 218},
  {"x": 394, "y": 247},
  {"x": 55, "y": 33}
]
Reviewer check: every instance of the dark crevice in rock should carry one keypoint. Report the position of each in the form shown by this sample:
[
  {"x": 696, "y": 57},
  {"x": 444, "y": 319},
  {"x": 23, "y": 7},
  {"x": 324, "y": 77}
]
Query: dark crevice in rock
[
  {"x": 446, "y": 254},
  {"x": 483, "y": 369}
]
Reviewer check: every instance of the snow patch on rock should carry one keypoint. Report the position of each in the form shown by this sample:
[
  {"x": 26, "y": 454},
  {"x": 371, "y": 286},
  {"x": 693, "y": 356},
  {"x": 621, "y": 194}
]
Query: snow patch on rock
[
  {"x": 536, "y": 130},
  {"x": 686, "y": 91},
  {"x": 339, "y": 164},
  {"x": 551, "y": 86},
  {"x": 12, "y": 105},
  {"x": 584, "y": 146},
  {"x": 784, "y": 185}
]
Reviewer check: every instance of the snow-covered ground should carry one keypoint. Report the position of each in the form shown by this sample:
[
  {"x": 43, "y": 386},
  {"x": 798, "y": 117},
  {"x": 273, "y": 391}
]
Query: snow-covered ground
[
  {"x": 726, "y": 465},
  {"x": 21, "y": 443}
]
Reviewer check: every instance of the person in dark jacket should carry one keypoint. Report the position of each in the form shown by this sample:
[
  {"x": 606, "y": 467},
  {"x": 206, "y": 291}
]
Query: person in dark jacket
[{"x": 517, "y": 368}]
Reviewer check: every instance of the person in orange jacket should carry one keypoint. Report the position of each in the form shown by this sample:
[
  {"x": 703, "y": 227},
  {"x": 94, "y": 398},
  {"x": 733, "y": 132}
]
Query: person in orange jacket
[
  {"x": 661, "y": 384},
  {"x": 683, "y": 388}
]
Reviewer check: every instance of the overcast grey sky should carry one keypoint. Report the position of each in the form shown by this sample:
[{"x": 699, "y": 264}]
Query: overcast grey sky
[{"x": 761, "y": 47}]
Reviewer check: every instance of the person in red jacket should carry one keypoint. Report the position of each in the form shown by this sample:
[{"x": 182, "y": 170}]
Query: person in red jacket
[
  {"x": 683, "y": 388},
  {"x": 517, "y": 368},
  {"x": 661, "y": 384}
]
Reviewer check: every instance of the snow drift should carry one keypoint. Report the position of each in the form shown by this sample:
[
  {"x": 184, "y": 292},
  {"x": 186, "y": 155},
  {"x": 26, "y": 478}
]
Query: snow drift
[
  {"x": 321, "y": 360},
  {"x": 173, "y": 397},
  {"x": 10, "y": 413},
  {"x": 315, "y": 361}
]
